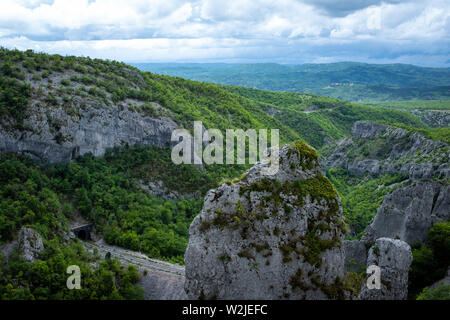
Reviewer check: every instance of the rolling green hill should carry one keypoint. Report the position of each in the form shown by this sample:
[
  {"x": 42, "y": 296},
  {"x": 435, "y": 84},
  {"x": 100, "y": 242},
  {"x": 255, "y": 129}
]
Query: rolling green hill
[
  {"x": 345, "y": 80},
  {"x": 414, "y": 104},
  {"x": 319, "y": 119}
]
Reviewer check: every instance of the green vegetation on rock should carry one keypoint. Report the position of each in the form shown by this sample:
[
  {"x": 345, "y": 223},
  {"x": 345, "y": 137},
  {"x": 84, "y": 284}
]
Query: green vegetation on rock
[{"x": 361, "y": 196}]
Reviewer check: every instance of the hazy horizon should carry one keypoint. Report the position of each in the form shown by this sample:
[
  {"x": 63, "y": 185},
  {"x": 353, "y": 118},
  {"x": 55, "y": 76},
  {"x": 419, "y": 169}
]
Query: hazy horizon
[{"x": 277, "y": 63}]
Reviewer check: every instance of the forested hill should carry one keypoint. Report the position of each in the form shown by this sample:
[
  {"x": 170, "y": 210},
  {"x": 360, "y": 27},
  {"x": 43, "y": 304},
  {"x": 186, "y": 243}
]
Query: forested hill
[
  {"x": 33, "y": 83},
  {"x": 345, "y": 80}
]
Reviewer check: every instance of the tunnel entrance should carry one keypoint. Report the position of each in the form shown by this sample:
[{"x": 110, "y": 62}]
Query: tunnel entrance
[
  {"x": 83, "y": 235},
  {"x": 83, "y": 232}
]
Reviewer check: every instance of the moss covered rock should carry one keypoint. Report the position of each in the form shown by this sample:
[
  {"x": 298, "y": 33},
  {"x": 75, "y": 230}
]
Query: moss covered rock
[{"x": 269, "y": 237}]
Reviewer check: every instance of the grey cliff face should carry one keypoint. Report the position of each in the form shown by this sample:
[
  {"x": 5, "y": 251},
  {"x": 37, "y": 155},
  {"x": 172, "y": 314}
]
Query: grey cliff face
[
  {"x": 393, "y": 257},
  {"x": 162, "y": 286},
  {"x": 355, "y": 255},
  {"x": 362, "y": 129},
  {"x": 409, "y": 212},
  {"x": 268, "y": 237},
  {"x": 56, "y": 135},
  {"x": 405, "y": 214},
  {"x": 378, "y": 149},
  {"x": 30, "y": 244}
]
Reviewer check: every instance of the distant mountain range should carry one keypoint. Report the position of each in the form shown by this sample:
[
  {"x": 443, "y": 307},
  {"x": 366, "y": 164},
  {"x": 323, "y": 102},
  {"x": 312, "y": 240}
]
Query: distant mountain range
[{"x": 344, "y": 80}]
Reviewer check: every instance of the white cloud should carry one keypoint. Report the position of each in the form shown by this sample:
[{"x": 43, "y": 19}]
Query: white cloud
[{"x": 216, "y": 29}]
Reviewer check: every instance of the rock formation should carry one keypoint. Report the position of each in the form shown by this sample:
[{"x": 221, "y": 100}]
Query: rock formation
[
  {"x": 7, "y": 249},
  {"x": 409, "y": 212},
  {"x": 269, "y": 237},
  {"x": 434, "y": 118},
  {"x": 355, "y": 255},
  {"x": 55, "y": 135},
  {"x": 378, "y": 149},
  {"x": 393, "y": 257},
  {"x": 406, "y": 215},
  {"x": 30, "y": 244}
]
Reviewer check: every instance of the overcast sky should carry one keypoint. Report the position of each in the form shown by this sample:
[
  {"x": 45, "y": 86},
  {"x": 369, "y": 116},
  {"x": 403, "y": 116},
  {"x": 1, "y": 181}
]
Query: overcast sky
[{"x": 283, "y": 31}]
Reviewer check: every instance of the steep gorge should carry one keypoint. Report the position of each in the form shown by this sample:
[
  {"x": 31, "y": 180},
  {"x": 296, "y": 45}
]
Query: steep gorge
[{"x": 287, "y": 230}]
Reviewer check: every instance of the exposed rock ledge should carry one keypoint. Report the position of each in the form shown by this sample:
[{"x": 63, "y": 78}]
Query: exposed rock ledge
[
  {"x": 393, "y": 257},
  {"x": 409, "y": 212},
  {"x": 29, "y": 244},
  {"x": 389, "y": 150},
  {"x": 55, "y": 136}
]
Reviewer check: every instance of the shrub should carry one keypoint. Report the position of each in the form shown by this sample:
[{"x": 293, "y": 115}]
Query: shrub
[{"x": 441, "y": 292}]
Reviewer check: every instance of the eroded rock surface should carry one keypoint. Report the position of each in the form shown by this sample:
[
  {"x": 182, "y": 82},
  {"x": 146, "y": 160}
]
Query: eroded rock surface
[
  {"x": 378, "y": 149},
  {"x": 269, "y": 237},
  {"x": 30, "y": 244},
  {"x": 393, "y": 257},
  {"x": 409, "y": 212},
  {"x": 434, "y": 118},
  {"x": 54, "y": 135},
  {"x": 355, "y": 255}
]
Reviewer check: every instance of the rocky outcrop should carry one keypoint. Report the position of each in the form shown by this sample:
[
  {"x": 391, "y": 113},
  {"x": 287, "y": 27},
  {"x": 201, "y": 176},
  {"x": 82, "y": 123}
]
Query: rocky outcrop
[
  {"x": 378, "y": 149},
  {"x": 409, "y": 212},
  {"x": 30, "y": 244},
  {"x": 434, "y": 118},
  {"x": 158, "y": 189},
  {"x": 59, "y": 134},
  {"x": 362, "y": 129},
  {"x": 160, "y": 285},
  {"x": 393, "y": 257},
  {"x": 7, "y": 249},
  {"x": 269, "y": 237},
  {"x": 405, "y": 214},
  {"x": 355, "y": 255}
]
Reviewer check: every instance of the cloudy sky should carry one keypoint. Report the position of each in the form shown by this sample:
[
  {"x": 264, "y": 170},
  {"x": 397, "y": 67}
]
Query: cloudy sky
[{"x": 283, "y": 31}]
